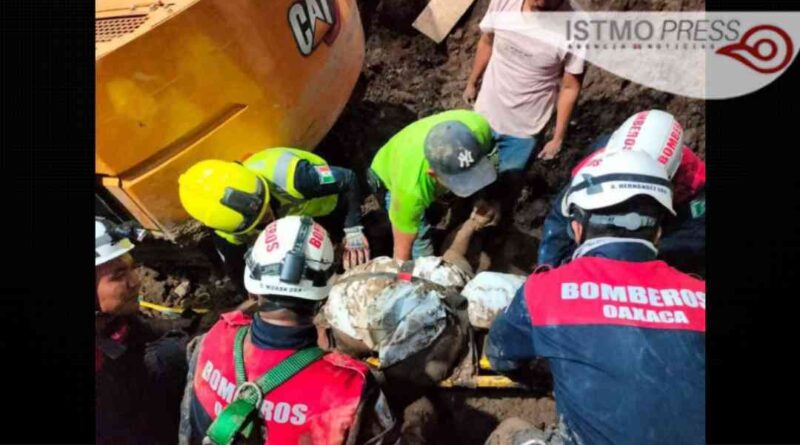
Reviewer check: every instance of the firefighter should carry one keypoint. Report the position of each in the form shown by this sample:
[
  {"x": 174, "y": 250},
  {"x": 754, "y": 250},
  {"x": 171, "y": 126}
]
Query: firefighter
[
  {"x": 660, "y": 135},
  {"x": 140, "y": 364},
  {"x": 623, "y": 332},
  {"x": 265, "y": 376},
  {"x": 236, "y": 200},
  {"x": 446, "y": 152}
]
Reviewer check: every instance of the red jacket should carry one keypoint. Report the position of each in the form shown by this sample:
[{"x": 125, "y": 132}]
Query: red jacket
[
  {"x": 624, "y": 336},
  {"x": 318, "y": 405}
]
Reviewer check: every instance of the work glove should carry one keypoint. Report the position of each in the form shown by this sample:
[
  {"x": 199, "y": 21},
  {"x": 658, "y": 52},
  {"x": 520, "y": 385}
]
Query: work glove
[{"x": 356, "y": 247}]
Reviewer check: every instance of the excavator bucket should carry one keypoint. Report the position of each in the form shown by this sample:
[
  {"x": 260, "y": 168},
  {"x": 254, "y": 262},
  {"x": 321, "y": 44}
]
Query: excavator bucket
[{"x": 185, "y": 80}]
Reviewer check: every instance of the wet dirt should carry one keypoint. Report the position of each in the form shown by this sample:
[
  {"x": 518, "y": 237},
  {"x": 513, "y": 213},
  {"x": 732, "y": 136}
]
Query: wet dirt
[
  {"x": 187, "y": 277},
  {"x": 458, "y": 417}
]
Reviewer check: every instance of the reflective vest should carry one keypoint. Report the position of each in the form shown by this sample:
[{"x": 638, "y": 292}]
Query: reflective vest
[
  {"x": 316, "y": 406},
  {"x": 277, "y": 166}
]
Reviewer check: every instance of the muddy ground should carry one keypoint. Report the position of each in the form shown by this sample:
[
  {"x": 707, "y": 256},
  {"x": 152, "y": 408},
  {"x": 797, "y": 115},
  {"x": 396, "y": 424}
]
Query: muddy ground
[{"x": 406, "y": 76}]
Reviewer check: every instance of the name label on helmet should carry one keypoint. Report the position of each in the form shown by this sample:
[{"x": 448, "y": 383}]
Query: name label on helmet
[
  {"x": 640, "y": 186},
  {"x": 305, "y": 19}
]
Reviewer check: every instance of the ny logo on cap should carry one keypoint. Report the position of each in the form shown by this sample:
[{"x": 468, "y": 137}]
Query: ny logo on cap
[{"x": 465, "y": 159}]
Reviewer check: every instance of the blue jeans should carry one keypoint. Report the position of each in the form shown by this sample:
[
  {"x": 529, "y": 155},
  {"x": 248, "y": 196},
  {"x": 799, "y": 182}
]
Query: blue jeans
[
  {"x": 423, "y": 245},
  {"x": 515, "y": 152}
]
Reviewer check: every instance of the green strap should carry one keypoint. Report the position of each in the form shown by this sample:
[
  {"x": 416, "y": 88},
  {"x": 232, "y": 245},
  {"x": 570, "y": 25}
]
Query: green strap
[
  {"x": 238, "y": 355},
  {"x": 239, "y": 416}
]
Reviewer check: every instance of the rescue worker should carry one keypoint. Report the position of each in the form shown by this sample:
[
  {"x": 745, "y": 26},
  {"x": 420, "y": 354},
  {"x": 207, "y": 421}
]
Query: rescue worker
[
  {"x": 236, "y": 200},
  {"x": 140, "y": 365},
  {"x": 623, "y": 333},
  {"x": 660, "y": 135},
  {"x": 421, "y": 163},
  {"x": 269, "y": 365}
]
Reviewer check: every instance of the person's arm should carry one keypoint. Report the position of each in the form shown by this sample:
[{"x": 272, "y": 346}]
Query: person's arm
[
  {"x": 402, "y": 244},
  {"x": 483, "y": 53},
  {"x": 457, "y": 252},
  {"x": 315, "y": 182},
  {"x": 188, "y": 433},
  {"x": 567, "y": 97},
  {"x": 509, "y": 346},
  {"x": 556, "y": 245}
]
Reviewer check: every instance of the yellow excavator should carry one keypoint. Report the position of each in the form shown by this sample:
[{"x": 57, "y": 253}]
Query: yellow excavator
[{"x": 185, "y": 80}]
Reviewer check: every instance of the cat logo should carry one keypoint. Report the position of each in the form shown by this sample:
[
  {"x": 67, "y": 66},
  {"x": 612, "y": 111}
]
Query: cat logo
[{"x": 312, "y": 22}]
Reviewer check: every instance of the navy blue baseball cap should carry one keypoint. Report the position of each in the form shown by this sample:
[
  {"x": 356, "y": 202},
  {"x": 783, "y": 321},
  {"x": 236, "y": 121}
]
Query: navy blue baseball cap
[{"x": 458, "y": 159}]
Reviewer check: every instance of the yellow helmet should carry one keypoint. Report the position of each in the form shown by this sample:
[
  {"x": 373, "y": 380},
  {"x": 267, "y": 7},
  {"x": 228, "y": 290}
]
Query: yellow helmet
[{"x": 223, "y": 195}]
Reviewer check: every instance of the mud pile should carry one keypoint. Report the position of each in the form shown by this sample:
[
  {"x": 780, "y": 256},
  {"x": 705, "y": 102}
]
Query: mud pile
[{"x": 189, "y": 276}]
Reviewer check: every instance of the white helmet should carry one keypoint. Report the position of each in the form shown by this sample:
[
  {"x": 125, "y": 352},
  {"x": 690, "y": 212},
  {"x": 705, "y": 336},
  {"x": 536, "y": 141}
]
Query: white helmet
[
  {"x": 293, "y": 257},
  {"x": 108, "y": 243},
  {"x": 613, "y": 178},
  {"x": 654, "y": 132}
]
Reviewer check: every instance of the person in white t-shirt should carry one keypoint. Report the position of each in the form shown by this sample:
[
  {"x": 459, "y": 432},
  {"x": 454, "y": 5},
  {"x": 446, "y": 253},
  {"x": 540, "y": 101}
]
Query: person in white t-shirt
[{"x": 520, "y": 86}]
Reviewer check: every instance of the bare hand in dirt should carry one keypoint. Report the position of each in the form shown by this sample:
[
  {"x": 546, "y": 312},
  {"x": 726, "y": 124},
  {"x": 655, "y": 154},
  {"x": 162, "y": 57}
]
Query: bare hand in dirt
[
  {"x": 485, "y": 217},
  {"x": 469, "y": 93},
  {"x": 550, "y": 150}
]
